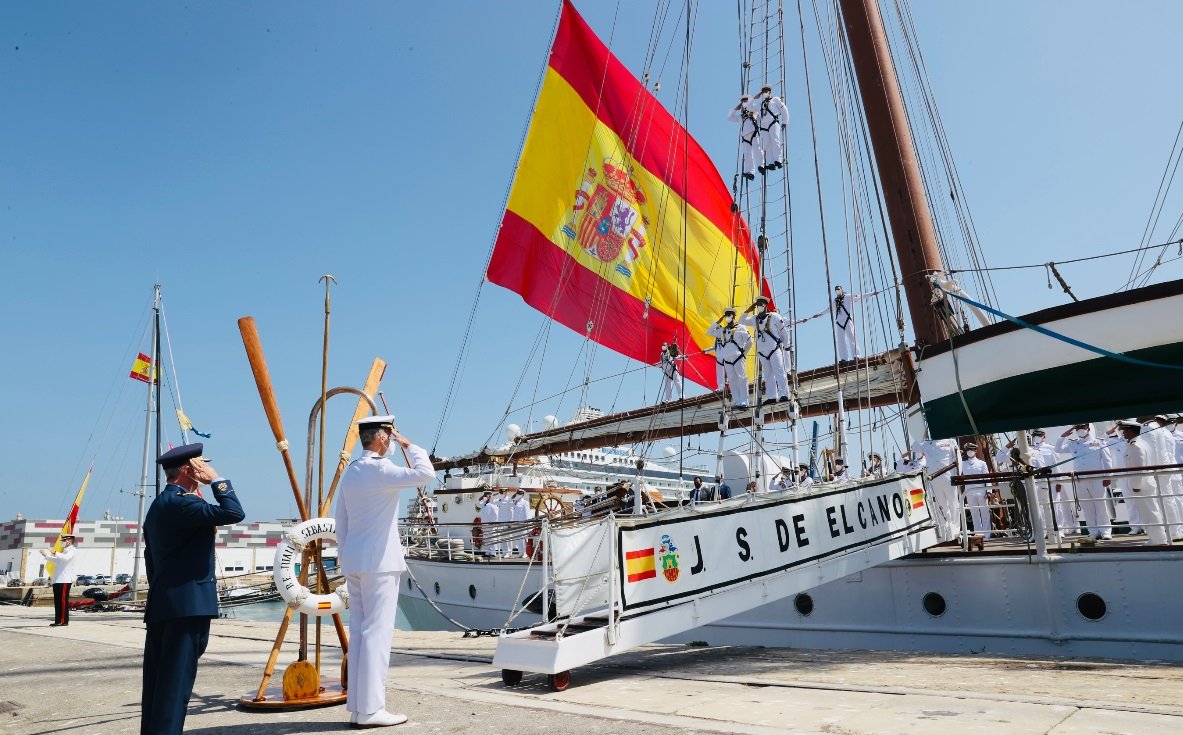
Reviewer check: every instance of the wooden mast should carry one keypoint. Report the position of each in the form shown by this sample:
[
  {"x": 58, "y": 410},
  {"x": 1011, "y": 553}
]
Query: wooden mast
[{"x": 895, "y": 157}]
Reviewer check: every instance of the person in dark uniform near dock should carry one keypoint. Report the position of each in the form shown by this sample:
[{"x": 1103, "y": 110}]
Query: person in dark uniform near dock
[{"x": 179, "y": 531}]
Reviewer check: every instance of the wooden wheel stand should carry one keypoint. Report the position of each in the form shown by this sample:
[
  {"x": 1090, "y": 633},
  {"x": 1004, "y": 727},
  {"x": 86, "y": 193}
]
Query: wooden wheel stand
[{"x": 303, "y": 685}]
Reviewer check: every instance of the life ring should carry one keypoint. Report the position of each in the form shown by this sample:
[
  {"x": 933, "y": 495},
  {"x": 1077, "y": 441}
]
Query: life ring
[
  {"x": 288, "y": 582},
  {"x": 478, "y": 534},
  {"x": 533, "y": 545}
]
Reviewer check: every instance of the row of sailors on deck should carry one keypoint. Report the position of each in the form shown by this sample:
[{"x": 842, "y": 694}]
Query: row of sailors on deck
[
  {"x": 1154, "y": 502},
  {"x": 501, "y": 506},
  {"x": 772, "y": 343}
]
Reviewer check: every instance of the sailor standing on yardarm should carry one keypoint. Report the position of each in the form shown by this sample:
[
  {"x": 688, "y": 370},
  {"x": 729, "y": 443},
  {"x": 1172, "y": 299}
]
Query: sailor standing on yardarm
[
  {"x": 731, "y": 348},
  {"x": 772, "y": 343},
  {"x": 371, "y": 558}
]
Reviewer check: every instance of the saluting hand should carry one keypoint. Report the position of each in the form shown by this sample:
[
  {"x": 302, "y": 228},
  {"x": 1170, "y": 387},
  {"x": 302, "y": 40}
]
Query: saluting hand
[
  {"x": 202, "y": 472},
  {"x": 405, "y": 442}
]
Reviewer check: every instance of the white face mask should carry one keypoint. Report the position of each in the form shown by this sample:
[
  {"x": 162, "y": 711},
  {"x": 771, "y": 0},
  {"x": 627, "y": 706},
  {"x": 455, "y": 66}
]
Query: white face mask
[
  {"x": 1037, "y": 440},
  {"x": 1082, "y": 433},
  {"x": 971, "y": 453}
]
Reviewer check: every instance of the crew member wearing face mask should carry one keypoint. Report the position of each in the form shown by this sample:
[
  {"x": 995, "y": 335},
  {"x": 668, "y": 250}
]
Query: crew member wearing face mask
[
  {"x": 749, "y": 136},
  {"x": 803, "y": 477},
  {"x": 874, "y": 466},
  {"x": 1158, "y": 439},
  {"x": 772, "y": 343},
  {"x": 731, "y": 347},
  {"x": 772, "y": 116},
  {"x": 371, "y": 558},
  {"x": 975, "y": 495},
  {"x": 1044, "y": 455},
  {"x": 840, "y": 469},
  {"x": 1089, "y": 454}
]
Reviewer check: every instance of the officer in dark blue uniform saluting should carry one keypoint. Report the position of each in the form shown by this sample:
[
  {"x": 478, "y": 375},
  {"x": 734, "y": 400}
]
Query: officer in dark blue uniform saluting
[{"x": 182, "y": 594}]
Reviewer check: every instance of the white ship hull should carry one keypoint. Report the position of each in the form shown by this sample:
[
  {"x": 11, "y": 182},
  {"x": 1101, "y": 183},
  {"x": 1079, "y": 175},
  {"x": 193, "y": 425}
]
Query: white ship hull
[{"x": 994, "y": 603}]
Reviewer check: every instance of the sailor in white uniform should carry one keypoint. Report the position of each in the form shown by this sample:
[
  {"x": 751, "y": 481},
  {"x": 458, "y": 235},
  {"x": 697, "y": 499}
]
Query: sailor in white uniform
[
  {"x": 371, "y": 558},
  {"x": 1089, "y": 454},
  {"x": 504, "y": 503},
  {"x": 937, "y": 455},
  {"x": 1044, "y": 455},
  {"x": 771, "y": 118},
  {"x": 874, "y": 466},
  {"x": 521, "y": 514},
  {"x": 840, "y": 473},
  {"x": 749, "y": 136},
  {"x": 490, "y": 514},
  {"x": 1161, "y": 443},
  {"x": 781, "y": 481},
  {"x": 975, "y": 495},
  {"x": 909, "y": 462},
  {"x": 670, "y": 382},
  {"x": 1142, "y": 489},
  {"x": 1115, "y": 442},
  {"x": 772, "y": 344},
  {"x": 803, "y": 477},
  {"x": 732, "y": 342}
]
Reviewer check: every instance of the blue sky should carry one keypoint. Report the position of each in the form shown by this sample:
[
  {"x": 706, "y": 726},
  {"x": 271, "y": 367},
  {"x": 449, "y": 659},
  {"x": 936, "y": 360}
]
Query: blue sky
[{"x": 235, "y": 152}]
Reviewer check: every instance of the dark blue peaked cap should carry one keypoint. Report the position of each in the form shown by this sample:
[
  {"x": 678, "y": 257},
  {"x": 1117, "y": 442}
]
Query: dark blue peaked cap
[{"x": 178, "y": 456}]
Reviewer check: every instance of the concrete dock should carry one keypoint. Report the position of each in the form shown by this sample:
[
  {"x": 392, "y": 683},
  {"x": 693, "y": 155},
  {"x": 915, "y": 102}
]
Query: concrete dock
[{"x": 85, "y": 678}]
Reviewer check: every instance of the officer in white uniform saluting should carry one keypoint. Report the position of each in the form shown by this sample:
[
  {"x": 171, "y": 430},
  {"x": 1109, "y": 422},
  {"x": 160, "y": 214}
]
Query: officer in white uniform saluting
[
  {"x": 772, "y": 342},
  {"x": 1089, "y": 454},
  {"x": 937, "y": 455},
  {"x": 975, "y": 495},
  {"x": 731, "y": 347},
  {"x": 490, "y": 514},
  {"x": 749, "y": 136},
  {"x": 504, "y": 503},
  {"x": 521, "y": 514},
  {"x": 371, "y": 558},
  {"x": 1161, "y": 443}
]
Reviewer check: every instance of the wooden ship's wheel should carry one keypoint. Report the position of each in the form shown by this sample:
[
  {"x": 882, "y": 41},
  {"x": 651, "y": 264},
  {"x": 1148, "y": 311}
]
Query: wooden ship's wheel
[{"x": 549, "y": 506}]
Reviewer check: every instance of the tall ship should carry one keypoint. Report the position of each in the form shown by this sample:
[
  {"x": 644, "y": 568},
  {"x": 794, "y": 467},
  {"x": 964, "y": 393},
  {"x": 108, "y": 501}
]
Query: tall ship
[{"x": 620, "y": 228}]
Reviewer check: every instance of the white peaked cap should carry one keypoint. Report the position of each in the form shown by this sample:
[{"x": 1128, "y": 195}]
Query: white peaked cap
[{"x": 375, "y": 422}]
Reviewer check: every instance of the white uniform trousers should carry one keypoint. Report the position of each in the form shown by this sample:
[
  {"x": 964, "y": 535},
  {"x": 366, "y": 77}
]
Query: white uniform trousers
[
  {"x": 770, "y": 146},
  {"x": 737, "y": 378},
  {"x": 669, "y": 385},
  {"x": 944, "y": 496},
  {"x": 975, "y": 498},
  {"x": 776, "y": 380},
  {"x": 1135, "y": 520},
  {"x": 1173, "y": 504},
  {"x": 1094, "y": 506},
  {"x": 373, "y": 603},
  {"x": 1149, "y": 512},
  {"x": 1066, "y": 516},
  {"x": 847, "y": 341}
]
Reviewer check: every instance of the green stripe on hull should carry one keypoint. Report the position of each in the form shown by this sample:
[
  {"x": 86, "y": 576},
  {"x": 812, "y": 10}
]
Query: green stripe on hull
[{"x": 1094, "y": 390}]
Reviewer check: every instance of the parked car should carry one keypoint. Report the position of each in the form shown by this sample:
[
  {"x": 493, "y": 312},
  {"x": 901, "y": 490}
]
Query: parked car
[
  {"x": 16, "y": 583},
  {"x": 84, "y": 579},
  {"x": 102, "y": 579},
  {"x": 122, "y": 579},
  {"x": 41, "y": 581}
]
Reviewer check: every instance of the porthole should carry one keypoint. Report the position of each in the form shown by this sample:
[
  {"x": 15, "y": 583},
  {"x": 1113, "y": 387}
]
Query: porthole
[
  {"x": 437, "y": 588},
  {"x": 934, "y": 604},
  {"x": 472, "y": 591},
  {"x": 1091, "y": 606},
  {"x": 445, "y": 507},
  {"x": 804, "y": 604}
]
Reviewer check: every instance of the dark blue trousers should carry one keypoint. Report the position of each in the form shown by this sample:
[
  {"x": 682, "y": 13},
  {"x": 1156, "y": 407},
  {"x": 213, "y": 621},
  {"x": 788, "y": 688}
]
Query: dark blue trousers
[{"x": 171, "y": 651}]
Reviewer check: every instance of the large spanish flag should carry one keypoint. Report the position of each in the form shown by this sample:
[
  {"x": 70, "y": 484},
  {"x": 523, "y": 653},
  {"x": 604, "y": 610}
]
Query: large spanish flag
[{"x": 618, "y": 224}]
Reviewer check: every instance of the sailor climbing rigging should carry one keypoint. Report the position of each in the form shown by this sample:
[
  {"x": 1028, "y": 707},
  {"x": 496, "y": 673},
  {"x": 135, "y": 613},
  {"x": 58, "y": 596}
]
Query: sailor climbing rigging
[
  {"x": 772, "y": 342},
  {"x": 670, "y": 355},
  {"x": 749, "y": 135},
  {"x": 772, "y": 116}
]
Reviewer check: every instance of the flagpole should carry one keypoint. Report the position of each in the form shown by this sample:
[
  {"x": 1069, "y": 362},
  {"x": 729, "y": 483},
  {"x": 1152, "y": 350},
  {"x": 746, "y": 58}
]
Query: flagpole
[
  {"x": 156, "y": 377},
  {"x": 135, "y": 576},
  {"x": 172, "y": 365}
]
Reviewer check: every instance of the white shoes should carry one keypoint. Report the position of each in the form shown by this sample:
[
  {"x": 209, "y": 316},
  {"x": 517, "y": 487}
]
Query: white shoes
[{"x": 381, "y": 718}]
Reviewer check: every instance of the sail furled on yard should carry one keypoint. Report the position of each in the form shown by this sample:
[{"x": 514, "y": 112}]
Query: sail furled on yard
[{"x": 618, "y": 225}]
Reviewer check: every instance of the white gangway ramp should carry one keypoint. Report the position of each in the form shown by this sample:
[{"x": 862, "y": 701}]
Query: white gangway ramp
[{"x": 626, "y": 581}]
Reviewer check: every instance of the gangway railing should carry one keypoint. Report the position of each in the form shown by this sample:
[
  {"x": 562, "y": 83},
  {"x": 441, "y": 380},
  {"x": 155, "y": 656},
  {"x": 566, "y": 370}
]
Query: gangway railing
[{"x": 626, "y": 581}]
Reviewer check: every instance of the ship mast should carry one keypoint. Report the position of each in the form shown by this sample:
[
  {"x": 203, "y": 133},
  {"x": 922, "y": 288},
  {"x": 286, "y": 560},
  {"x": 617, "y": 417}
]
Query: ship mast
[{"x": 895, "y": 158}]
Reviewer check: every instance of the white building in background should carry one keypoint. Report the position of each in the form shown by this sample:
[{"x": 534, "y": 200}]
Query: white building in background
[{"x": 109, "y": 547}]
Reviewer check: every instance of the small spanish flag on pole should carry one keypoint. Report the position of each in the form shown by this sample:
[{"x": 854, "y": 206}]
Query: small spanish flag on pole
[{"x": 141, "y": 369}]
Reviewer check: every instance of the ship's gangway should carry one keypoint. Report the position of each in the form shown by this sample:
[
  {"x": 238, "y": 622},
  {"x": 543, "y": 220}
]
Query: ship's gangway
[{"x": 621, "y": 582}]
